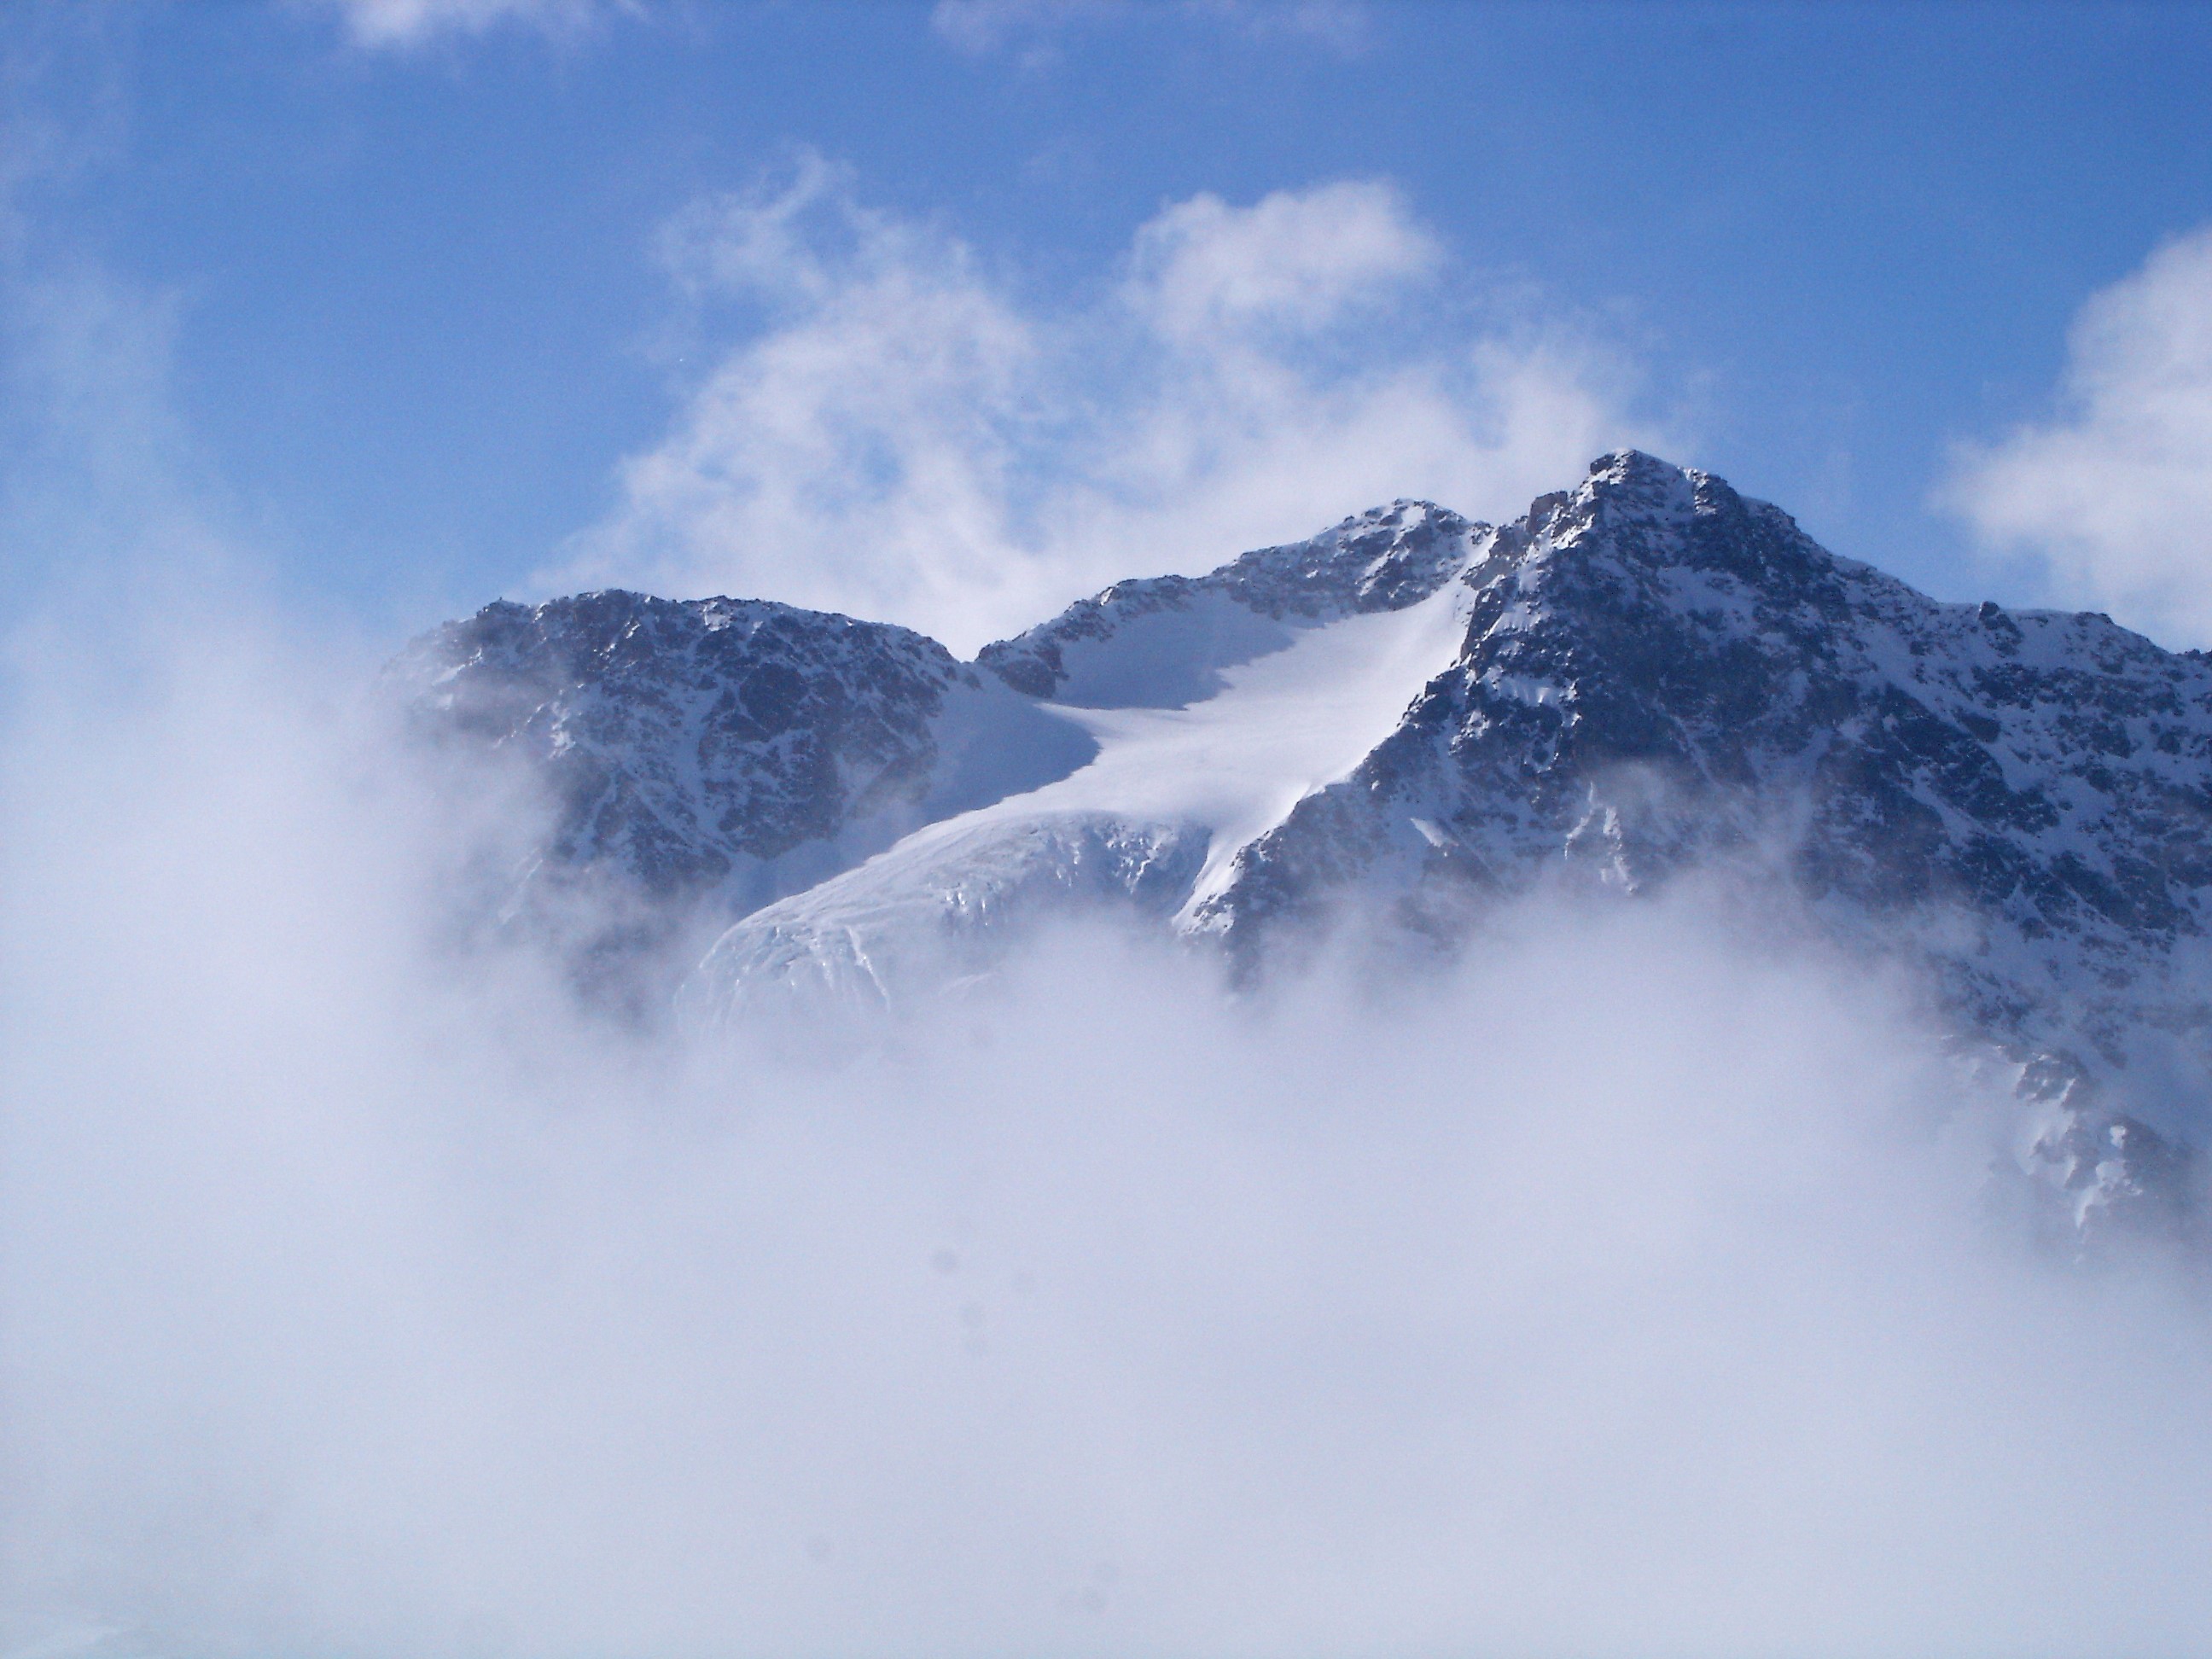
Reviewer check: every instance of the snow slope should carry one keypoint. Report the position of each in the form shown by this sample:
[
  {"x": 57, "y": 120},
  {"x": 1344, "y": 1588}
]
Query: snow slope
[
  {"x": 1215, "y": 706},
  {"x": 1159, "y": 815}
]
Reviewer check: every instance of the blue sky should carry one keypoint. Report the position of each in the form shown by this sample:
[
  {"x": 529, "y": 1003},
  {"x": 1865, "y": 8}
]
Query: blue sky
[{"x": 949, "y": 313}]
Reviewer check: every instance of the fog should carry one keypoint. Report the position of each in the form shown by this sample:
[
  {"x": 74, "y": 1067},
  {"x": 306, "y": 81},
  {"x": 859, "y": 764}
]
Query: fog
[{"x": 1634, "y": 1289}]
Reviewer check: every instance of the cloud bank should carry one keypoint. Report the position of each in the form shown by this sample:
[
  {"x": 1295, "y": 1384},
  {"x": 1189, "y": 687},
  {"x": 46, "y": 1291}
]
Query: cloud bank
[
  {"x": 904, "y": 433},
  {"x": 1630, "y": 1292},
  {"x": 2115, "y": 494}
]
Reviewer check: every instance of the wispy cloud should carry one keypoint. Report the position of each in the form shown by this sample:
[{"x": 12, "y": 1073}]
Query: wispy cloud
[
  {"x": 904, "y": 434},
  {"x": 96, "y": 467},
  {"x": 405, "y": 23},
  {"x": 1032, "y": 30},
  {"x": 2115, "y": 494}
]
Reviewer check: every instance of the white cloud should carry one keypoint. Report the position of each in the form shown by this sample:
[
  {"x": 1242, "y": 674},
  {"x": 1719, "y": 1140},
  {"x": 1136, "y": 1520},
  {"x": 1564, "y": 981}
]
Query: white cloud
[
  {"x": 1031, "y": 27},
  {"x": 2116, "y": 494},
  {"x": 904, "y": 436},
  {"x": 1291, "y": 260},
  {"x": 403, "y": 23},
  {"x": 988, "y": 26}
]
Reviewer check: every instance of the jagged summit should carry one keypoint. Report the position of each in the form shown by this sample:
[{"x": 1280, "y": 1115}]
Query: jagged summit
[
  {"x": 1653, "y": 665},
  {"x": 1404, "y": 720}
]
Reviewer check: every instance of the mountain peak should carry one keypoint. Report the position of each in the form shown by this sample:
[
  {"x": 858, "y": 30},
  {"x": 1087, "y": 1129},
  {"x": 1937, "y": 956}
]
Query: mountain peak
[
  {"x": 1635, "y": 466},
  {"x": 1631, "y": 481},
  {"x": 1405, "y": 718}
]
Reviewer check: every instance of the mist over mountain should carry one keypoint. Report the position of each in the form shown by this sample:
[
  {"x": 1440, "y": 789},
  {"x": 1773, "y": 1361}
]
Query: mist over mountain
[
  {"x": 1099, "y": 957},
  {"x": 1613, "y": 1084},
  {"x": 1383, "y": 734}
]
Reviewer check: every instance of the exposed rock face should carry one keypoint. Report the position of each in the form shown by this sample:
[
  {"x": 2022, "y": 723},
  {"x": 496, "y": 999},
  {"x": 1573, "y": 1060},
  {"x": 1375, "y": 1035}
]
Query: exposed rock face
[
  {"x": 702, "y": 758},
  {"x": 1402, "y": 720},
  {"x": 1656, "y": 668},
  {"x": 685, "y": 741}
]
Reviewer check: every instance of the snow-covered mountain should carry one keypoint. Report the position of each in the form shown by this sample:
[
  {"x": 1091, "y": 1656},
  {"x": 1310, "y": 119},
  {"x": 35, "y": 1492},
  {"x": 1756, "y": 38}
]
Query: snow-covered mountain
[
  {"x": 1398, "y": 723},
  {"x": 701, "y": 759}
]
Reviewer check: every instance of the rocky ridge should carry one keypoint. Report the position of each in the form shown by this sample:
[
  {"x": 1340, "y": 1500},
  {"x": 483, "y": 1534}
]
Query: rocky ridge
[{"x": 696, "y": 760}]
